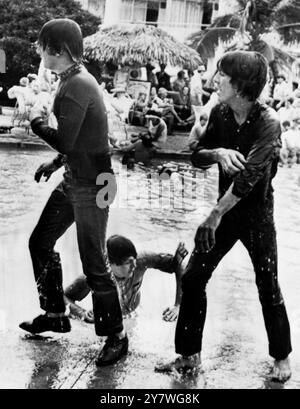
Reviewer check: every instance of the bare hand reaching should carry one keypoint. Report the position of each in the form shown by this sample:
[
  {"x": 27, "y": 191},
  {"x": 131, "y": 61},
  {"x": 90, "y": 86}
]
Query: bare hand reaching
[
  {"x": 171, "y": 313},
  {"x": 181, "y": 252},
  {"x": 46, "y": 170}
]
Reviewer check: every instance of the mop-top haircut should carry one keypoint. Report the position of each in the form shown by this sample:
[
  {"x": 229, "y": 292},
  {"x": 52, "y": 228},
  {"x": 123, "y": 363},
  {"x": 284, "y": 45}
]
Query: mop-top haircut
[
  {"x": 247, "y": 71},
  {"x": 62, "y": 34}
]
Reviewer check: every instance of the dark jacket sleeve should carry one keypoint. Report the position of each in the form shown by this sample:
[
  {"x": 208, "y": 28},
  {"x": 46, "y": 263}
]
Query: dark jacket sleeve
[
  {"x": 160, "y": 261},
  {"x": 69, "y": 123},
  {"x": 263, "y": 152}
]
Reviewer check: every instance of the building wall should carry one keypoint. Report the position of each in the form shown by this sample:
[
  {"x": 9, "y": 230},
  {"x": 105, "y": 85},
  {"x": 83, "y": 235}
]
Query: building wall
[
  {"x": 228, "y": 7},
  {"x": 96, "y": 7},
  {"x": 178, "y": 17}
]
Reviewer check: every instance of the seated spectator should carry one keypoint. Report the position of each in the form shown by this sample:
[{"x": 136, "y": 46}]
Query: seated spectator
[
  {"x": 290, "y": 142},
  {"x": 184, "y": 108},
  {"x": 143, "y": 146},
  {"x": 20, "y": 93},
  {"x": 197, "y": 131},
  {"x": 139, "y": 110},
  {"x": 196, "y": 86},
  {"x": 282, "y": 92},
  {"x": 180, "y": 82},
  {"x": 167, "y": 110},
  {"x": 141, "y": 102},
  {"x": 121, "y": 102},
  {"x": 286, "y": 112},
  {"x": 152, "y": 98}
]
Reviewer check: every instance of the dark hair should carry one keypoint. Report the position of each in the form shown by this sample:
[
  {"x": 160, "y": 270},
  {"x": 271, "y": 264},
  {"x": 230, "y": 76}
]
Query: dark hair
[
  {"x": 180, "y": 74},
  {"x": 119, "y": 248},
  {"x": 286, "y": 123},
  {"x": 247, "y": 71},
  {"x": 62, "y": 34}
]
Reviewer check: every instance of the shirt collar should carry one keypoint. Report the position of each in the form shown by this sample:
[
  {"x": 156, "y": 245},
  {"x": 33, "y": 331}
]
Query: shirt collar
[
  {"x": 252, "y": 116},
  {"x": 74, "y": 69}
]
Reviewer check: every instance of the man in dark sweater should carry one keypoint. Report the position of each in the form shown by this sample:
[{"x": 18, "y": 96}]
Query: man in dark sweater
[{"x": 84, "y": 195}]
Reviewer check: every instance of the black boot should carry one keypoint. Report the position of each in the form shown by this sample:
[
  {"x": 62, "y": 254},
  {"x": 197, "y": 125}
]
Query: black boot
[
  {"x": 112, "y": 351},
  {"x": 43, "y": 323}
]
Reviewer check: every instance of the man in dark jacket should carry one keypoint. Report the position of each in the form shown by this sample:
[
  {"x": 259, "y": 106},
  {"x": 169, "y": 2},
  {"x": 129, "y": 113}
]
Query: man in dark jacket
[{"x": 243, "y": 138}]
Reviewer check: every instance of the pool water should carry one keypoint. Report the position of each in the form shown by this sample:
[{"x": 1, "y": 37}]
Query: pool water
[{"x": 156, "y": 214}]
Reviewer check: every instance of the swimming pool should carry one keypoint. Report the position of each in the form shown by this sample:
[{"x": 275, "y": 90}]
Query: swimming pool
[{"x": 157, "y": 220}]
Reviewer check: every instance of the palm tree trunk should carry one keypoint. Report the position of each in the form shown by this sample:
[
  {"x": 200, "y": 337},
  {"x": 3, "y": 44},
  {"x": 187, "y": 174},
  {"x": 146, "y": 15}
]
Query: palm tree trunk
[{"x": 275, "y": 72}]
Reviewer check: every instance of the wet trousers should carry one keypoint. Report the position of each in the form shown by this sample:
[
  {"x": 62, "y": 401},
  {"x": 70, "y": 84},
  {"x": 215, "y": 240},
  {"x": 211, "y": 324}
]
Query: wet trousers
[
  {"x": 66, "y": 205},
  {"x": 262, "y": 248}
]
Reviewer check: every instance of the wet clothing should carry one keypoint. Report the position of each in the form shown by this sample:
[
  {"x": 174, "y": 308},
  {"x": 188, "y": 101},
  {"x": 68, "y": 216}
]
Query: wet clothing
[
  {"x": 250, "y": 220},
  {"x": 130, "y": 289},
  {"x": 82, "y": 141}
]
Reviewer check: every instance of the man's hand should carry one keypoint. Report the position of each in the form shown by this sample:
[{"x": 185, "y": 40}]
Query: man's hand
[
  {"x": 46, "y": 170},
  {"x": 231, "y": 161},
  {"x": 171, "y": 313},
  {"x": 205, "y": 235},
  {"x": 180, "y": 253}
]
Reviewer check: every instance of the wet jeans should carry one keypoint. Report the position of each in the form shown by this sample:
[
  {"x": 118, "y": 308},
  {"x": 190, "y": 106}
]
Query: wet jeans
[
  {"x": 262, "y": 248},
  {"x": 66, "y": 205}
]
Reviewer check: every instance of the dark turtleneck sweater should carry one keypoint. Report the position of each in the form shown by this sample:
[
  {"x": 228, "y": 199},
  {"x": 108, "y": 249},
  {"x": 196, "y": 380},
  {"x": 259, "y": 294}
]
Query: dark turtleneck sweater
[{"x": 82, "y": 133}]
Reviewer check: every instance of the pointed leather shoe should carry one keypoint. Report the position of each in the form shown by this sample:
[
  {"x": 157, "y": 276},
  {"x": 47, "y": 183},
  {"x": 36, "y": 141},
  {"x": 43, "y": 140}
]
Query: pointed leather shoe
[
  {"x": 112, "y": 351},
  {"x": 43, "y": 323}
]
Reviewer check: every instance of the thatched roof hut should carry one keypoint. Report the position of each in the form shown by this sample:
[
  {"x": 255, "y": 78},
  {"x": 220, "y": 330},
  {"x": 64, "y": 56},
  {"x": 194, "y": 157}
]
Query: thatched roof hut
[{"x": 136, "y": 45}]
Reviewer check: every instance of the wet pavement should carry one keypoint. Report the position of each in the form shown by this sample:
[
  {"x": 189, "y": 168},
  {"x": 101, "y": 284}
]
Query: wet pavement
[{"x": 235, "y": 353}]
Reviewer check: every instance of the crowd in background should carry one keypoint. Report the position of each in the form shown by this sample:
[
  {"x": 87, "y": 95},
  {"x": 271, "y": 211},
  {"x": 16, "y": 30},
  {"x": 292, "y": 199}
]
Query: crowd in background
[
  {"x": 177, "y": 100},
  {"x": 33, "y": 90},
  {"x": 286, "y": 101},
  {"x": 183, "y": 101}
]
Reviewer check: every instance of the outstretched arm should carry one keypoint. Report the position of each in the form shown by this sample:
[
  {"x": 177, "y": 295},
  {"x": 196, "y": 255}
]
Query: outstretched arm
[{"x": 171, "y": 313}]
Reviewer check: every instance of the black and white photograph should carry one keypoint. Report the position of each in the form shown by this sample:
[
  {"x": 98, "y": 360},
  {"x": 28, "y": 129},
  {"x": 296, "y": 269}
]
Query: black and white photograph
[{"x": 149, "y": 197}]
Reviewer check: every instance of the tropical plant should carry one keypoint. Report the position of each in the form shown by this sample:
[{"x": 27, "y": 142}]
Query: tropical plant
[
  {"x": 20, "y": 22},
  {"x": 250, "y": 28}
]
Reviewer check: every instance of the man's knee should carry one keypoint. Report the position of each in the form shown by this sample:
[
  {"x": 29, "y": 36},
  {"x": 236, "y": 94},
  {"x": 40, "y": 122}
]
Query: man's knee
[
  {"x": 34, "y": 243},
  {"x": 269, "y": 296},
  {"x": 194, "y": 282},
  {"x": 100, "y": 282},
  {"x": 78, "y": 290}
]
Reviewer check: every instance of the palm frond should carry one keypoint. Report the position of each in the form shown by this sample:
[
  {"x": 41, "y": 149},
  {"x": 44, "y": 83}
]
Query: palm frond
[
  {"x": 227, "y": 20},
  {"x": 290, "y": 33},
  {"x": 283, "y": 58},
  {"x": 209, "y": 40}
]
